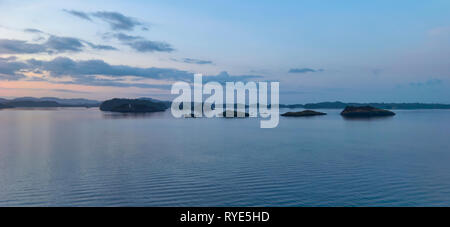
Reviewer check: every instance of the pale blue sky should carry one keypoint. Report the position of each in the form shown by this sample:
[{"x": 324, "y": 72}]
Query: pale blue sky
[{"x": 392, "y": 51}]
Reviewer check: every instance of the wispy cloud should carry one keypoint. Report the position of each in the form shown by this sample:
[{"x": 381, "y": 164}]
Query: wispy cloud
[
  {"x": 100, "y": 47},
  {"x": 53, "y": 44},
  {"x": 117, "y": 21},
  {"x": 140, "y": 44},
  {"x": 63, "y": 44},
  {"x": 304, "y": 70},
  {"x": 33, "y": 30},
  {"x": 12, "y": 46},
  {"x": 71, "y": 91},
  {"x": 78, "y": 14},
  {"x": 150, "y": 46},
  {"x": 196, "y": 61},
  {"x": 126, "y": 38},
  {"x": 225, "y": 77}
]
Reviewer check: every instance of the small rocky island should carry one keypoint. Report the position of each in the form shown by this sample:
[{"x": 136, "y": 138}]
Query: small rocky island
[
  {"x": 132, "y": 106},
  {"x": 305, "y": 113},
  {"x": 234, "y": 114},
  {"x": 365, "y": 111}
]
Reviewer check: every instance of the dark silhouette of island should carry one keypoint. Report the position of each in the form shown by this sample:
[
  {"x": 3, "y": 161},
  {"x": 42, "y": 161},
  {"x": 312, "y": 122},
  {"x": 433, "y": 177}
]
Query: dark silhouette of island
[
  {"x": 47, "y": 102},
  {"x": 305, "y": 113},
  {"x": 365, "y": 111},
  {"x": 133, "y": 106},
  {"x": 166, "y": 103}
]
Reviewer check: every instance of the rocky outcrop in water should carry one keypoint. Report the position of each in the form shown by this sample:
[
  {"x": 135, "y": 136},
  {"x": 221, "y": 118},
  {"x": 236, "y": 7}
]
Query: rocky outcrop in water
[
  {"x": 305, "y": 113},
  {"x": 365, "y": 111}
]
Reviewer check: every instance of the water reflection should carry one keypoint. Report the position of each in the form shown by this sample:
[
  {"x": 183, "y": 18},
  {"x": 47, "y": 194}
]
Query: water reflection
[
  {"x": 374, "y": 118},
  {"x": 111, "y": 115},
  {"x": 35, "y": 108},
  {"x": 77, "y": 157}
]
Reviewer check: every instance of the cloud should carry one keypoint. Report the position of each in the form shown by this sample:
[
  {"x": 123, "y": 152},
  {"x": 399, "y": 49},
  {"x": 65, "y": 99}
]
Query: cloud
[
  {"x": 78, "y": 14},
  {"x": 12, "y": 46},
  {"x": 71, "y": 91},
  {"x": 196, "y": 61},
  {"x": 9, "y": 69},
  {"x": 125, "y": 38},
  {"x": 10, "y": 58},
  {"x": 225, "y": 77},
  {"x": 304, "y": 70},
  {"x": 47, "y": 89},
  {"x": 89, "y": 81},
  {"x": 140, "y": 44},
  {"x": 150, "y": 46},
  {"x": 53, "y": 44},
  {"x": 87, "y": 72},
  {"x": 192, "y": 61},
  {"x": 33, "y": 30},
  {"x": 64, "y": 44},
  {"x": 63, "y": 66},
  {"x": 39, "y": 35},
  {"x": 117, "y": 21},
  {"x": 100, "y": 47}
]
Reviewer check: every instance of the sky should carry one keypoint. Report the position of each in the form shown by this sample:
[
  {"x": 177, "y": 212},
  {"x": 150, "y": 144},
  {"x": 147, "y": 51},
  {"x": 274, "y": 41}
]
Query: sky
[{"x": 353, "y": 51}]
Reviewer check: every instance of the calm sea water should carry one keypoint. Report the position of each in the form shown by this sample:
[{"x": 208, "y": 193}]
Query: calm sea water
[{"x": 83, "y": 157}]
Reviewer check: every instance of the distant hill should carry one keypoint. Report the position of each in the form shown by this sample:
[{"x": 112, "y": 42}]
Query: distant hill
[
  {"x": 78, "y": 102},
  {"x": 49, "y": 102},
  {"x": 342, "y": 105}
]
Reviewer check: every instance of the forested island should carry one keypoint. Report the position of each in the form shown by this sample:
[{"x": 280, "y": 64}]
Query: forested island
[{"x": 133, "y": 106}]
